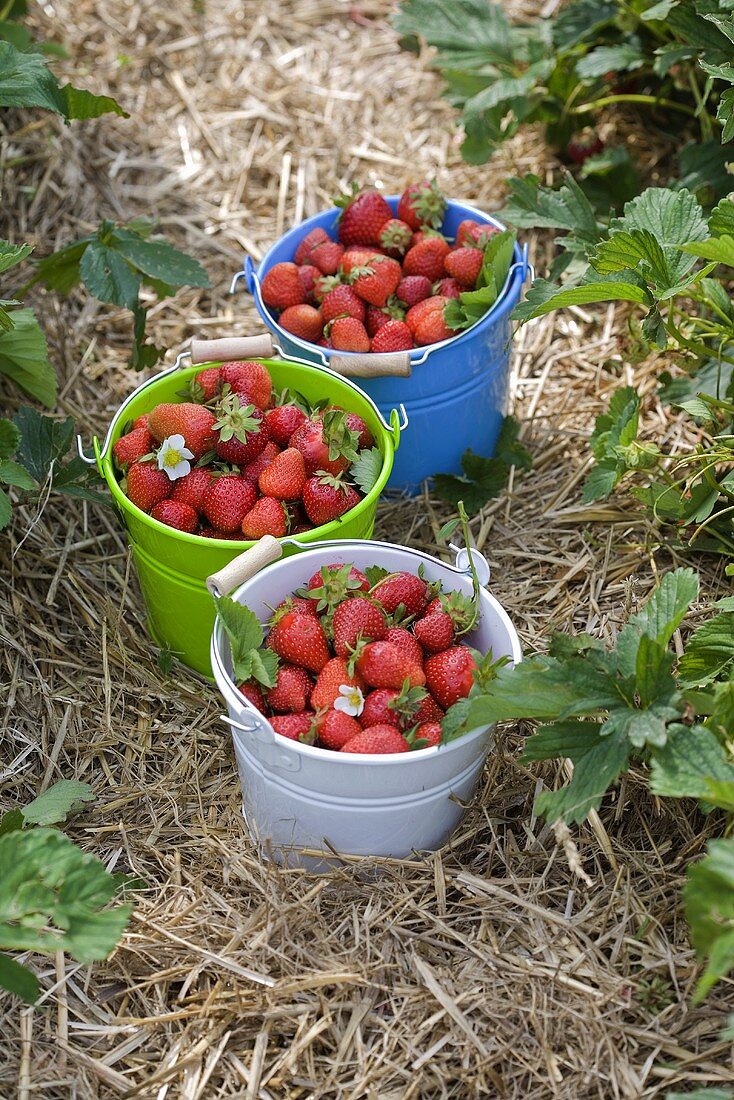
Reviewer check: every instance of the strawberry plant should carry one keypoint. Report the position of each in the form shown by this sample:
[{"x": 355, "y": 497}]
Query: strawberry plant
[
  {"x": 53, "y": 896},
  {"x": 603, "y": 709},
  {"x": 113, "y": 264},
  {"x": 662, "y": 256},
  {"x": 671, "y": 58},
  {"x": 34, "y": 461},
  {"x": 23, "y": 351}
]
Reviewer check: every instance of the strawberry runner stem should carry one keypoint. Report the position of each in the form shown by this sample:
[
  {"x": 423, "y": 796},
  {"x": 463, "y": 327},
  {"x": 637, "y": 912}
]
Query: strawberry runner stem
[{"x": 464, "y": 521}]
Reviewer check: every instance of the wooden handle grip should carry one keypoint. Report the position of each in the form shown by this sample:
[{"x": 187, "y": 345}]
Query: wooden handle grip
[
  {"x": 232, "y": 347},
  {"x": 244, "y": 566},
  {"x": 396, "y": 363}
]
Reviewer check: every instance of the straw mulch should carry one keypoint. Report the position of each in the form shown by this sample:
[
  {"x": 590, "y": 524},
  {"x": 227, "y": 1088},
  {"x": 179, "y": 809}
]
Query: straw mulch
[{"x": 493, "y": 968}]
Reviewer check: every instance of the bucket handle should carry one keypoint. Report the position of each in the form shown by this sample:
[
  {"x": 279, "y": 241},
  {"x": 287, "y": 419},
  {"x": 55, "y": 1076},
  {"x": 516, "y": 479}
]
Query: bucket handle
[
  {"x": 395, "y": 364},
  {"x": 244, "y": 566},
  {"x": 225, "y": 350}
]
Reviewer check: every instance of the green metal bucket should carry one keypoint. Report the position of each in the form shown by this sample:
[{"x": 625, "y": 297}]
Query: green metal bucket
[{"x": 172, "y": 566}]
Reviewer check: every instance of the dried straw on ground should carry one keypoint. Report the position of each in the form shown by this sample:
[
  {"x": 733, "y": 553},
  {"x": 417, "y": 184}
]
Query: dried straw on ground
[{"x": 490, "y": 969}]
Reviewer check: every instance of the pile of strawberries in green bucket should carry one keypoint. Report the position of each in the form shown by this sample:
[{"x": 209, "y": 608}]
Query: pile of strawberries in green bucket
[
  {"x": 387, "y": 283},
  {"x": 235, "y": 461}
]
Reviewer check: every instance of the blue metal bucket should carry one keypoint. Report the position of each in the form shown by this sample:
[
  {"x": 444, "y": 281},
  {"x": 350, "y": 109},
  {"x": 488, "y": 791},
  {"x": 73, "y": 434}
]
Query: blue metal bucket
[{"x": 456, "y": 395}]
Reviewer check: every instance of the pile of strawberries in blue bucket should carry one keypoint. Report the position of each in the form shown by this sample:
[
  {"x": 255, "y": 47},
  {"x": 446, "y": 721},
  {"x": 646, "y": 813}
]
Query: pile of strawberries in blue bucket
[{"x": 384, "y": 284}]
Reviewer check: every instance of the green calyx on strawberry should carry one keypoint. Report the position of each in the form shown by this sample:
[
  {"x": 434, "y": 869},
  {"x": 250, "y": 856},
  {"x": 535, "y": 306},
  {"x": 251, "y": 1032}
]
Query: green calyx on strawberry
[
  {"x": 460, "y": 608},
  {"x": 235, "y": 420},
  {"x": 407, "y": 703},
  {"x": 337, "y": 583}
]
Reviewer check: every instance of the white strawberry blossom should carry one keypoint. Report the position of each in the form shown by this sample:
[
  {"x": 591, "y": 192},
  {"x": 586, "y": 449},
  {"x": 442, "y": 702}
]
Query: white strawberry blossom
[
  {"x": 173, "y": 457},
  {"x": 350, "y": 700}
]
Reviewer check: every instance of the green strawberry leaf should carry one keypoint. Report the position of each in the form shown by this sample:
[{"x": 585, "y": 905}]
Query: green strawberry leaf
[
  {"x": 709, "y": 902},
  {"x": 44, "y": 443},
  {"x": 12, "y": 254},
  {"x": 18, "y": 980},
  {"x": 365, "y": 472},
  {"x": 245, "y": 633},
  {"x": 6, "y": 509},
  {"x": 375, "y": 573},
  {"x": 25, "y": 81},
  {"x": 12, "y": 473},
  {"x": 709, "y": 652},
  {"x": 9, "y": 438},
  {"x": 689, "y": 762},
  {"x": 52, "y": 897},
  {"x": 55, "y": 804},
  {"x": 24, "y": 357}
]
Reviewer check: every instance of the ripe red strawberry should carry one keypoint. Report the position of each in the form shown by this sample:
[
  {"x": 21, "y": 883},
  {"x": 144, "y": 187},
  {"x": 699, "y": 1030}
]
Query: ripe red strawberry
[
  {"x": 428, "y": 326},
  {"x": 243, "y": 431},
  {"x": 377, "y": 739},
  {"x": 340, "y": 301},
  {"x": 377, "y": 709},
  {"x": 376, "y": 280},
  {"x": 403, "y": 640},
  {"x": 326, "y": 283},
  {"x": 335, "y": 728},
  {"x": 147, "y": 485},
  {"x": 334, "y": 675},
  {"x": 435, "y": 632},
  {"x": 326, "y": 498},
  {"x": 449, "y": 674},
  {"x": 285, "y": 477},
  {"x": 303, "y": 321},
  {"x": 464, "y": 265},
  {"x": 395, "y": 237},
  {"x": 250, "y": 380},
  {"x": 584, "y": 145},
  {"x": 349, "y": 334},
  {"x": 300, "y": 640},
  {"x": 309, "y": 275},
  {"x": 282, "y": 287},
  {"x": 362, "y": 217},
  {"x": 356, "y": 618},
  {"x": 193, "y": 422},
  {"x": 292, "y": 690},
  {"x": 327, "y": 257},
  {"x": 428, "y": 711},
  {"x": 356, "y": 424},
  {"x": 296, "y": 727},
  {"x": 308, "y": 243},
  {"x": 132, "y": 447},
  {"x": 422, "y": 204},
  {"x": 382, "y": 664},
  {"x": 177, "y": 515},
  {"x": 421, "y": 235},
  {"x": 447, "y": 288},
  {"x": 474, "y": 233},
  {"x": 394, "y": 336},
  {"x": 430, "y": 732},
  {"x": 141, "y": 422},
  {"x": 413, "y": 289},
  {"x": 206, "y": 384},
  {"x": 296, "y": 603},
  {"x": 427, "y": 258},
  {"x": 326, "y": 444},
  {"x": 333, "y": 583},
  {"x": 459, "y": 607},
  {"x": 189, "y": 489},
  {"x": 358, "y": 257},
  {"x": 253, "y": 693},
  {"x": 226, "y": 502},
  {"x": 401, "y": 588},
  {"x": 255, "y": 468},
  {"x": 266, "y": 517},
  {"x": 209, "y": 532},
  {"x": 375, "y": 318},
  {"x": 283, "y": 421}
]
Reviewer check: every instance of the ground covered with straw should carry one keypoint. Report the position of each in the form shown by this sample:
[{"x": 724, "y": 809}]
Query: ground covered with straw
[{"x": 514, "y": 962}]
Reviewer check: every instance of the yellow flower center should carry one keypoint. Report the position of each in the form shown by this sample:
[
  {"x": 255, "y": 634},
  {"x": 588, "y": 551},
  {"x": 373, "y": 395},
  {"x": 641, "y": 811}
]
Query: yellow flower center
[{"x": 172, "y": 457}]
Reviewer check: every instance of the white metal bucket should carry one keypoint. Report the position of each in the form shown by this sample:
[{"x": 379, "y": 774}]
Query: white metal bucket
[{"x": 302, "y": 797}]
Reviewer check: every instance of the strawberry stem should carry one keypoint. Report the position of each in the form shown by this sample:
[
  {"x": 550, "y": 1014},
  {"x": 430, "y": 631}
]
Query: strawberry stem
[{"x": 464, "y": 521}]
